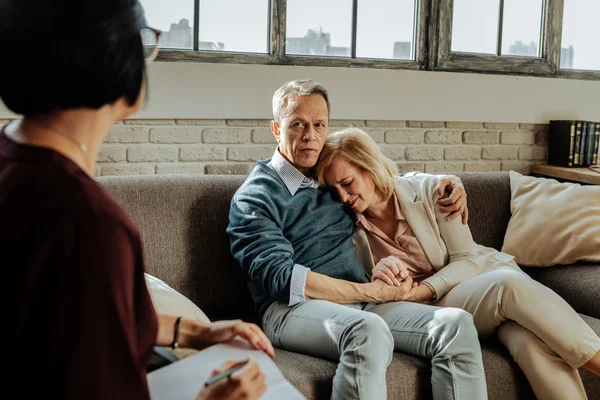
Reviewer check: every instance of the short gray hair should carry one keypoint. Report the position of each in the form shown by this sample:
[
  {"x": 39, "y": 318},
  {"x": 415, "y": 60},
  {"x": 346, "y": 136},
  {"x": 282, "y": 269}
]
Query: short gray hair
[{"x": 302, "y": 87}]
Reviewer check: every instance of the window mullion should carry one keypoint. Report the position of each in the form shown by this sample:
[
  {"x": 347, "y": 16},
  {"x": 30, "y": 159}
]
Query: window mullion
[
  {"x": 196, "y": 24},
  {"x": 354, "y": 28},
  {"x": 500, "y": 29},
  {"x": 278, "y": 29}
]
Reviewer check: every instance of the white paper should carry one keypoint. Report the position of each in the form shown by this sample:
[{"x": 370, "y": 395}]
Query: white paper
[{"x": 183, "y": 379}]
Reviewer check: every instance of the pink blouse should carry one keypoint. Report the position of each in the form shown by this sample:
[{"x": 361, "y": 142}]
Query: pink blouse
[{"x": 404, "y": 246}]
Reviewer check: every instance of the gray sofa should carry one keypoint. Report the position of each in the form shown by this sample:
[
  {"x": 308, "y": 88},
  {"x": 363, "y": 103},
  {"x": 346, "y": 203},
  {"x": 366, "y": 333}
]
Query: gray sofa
[{"x": 182, "y": 219}]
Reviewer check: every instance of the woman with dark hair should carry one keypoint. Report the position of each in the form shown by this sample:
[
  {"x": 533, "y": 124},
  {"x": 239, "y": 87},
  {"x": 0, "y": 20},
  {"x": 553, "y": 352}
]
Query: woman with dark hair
[{"x": 83, "y": 325}]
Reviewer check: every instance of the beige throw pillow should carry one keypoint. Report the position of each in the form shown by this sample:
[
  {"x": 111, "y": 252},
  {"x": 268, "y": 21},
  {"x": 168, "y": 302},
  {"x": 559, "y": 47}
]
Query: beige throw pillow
[
  {"x": 552, "y": 223},
  {"x": 167, "y": 300}
]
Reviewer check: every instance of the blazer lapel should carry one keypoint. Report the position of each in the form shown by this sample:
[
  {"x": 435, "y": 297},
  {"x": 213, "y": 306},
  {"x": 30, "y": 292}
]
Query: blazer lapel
[{"x": 419, "y": 222}]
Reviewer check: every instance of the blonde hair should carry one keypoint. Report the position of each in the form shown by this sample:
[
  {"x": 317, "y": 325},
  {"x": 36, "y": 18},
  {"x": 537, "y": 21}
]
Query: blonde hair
[{"x": 356, "y": 147}]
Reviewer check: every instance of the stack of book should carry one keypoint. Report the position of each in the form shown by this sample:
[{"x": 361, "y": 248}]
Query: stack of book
[{"x": 573, "y": 143}]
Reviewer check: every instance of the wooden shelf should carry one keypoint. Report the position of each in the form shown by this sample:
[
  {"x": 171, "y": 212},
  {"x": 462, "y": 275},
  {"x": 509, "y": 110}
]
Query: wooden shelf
[{"x": 579, "y": 175}]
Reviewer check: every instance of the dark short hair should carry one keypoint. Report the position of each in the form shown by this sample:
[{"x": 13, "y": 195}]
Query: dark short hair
[{"x": 68, "y": 54}]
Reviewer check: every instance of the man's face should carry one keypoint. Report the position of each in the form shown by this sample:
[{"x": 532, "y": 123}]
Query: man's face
[{"x": 302, "y": 131}]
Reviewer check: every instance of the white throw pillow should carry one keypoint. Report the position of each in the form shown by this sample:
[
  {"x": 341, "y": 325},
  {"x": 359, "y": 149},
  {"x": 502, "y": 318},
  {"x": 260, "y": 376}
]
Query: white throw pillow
[
  {"x": 552, "y": 222},
  {"x": 167, "y": 300}
]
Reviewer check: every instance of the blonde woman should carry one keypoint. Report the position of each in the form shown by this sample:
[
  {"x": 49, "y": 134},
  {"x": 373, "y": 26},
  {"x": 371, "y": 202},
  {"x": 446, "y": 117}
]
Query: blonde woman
[{"x": 401, "y": 227}]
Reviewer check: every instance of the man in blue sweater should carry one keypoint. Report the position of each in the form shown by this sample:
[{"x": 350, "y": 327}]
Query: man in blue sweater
[{"x": 295, "y": 242}]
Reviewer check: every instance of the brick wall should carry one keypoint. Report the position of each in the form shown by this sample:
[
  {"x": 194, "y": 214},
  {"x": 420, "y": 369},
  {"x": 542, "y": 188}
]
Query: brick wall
[{"x": 232, "y": 146}]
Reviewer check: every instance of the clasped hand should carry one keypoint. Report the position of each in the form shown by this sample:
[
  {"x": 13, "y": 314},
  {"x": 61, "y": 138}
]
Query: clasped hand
[{"x": 392, "y": 280}]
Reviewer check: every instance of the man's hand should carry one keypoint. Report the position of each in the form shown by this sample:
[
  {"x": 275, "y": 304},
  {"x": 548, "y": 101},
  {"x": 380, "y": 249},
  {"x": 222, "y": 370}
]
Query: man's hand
[
  {"x": 453, "y": 198},
  {"x": 391, "y": 270},
  {"x": 248, "y": 383},
  {"x": 384, "y": 293},
  {"x": 225, "y": 331}
]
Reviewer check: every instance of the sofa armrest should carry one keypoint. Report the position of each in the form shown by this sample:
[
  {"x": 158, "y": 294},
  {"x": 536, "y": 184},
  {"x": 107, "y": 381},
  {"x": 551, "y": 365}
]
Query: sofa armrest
[{"x": 577, "y": 284}]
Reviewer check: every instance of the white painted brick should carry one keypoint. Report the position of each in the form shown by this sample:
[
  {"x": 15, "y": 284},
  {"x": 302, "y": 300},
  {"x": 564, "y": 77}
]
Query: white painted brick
[
  {"x": 263, "y": 135},
  {"x": 200, "y": 122},
  {"x": 408, "y": 167},
  {"x": 443, "y": 137},
  {"x": 424, "y": 153},
  {"x": 345, "y": 123},
  {"x": 532, "y": 153},
  {"x": 127, "y": 134},
  {"x": 226, "y": 135},
  {"x": 228, "y": 169},
  {"x": 480, "y": 137},
  {"x": 499, "y": 153},
  {"x": 249, "y": 122},
  {"x": 425, "y": 124},
  {"x": 442, "y": 167},
  {"x": 149, "y": 122},
  {"x": 97, "y": 171},
  {"x": 541, "y": 138},
  {"x": 202, "y": 153},
  {"x": 464, "y": 125},
  {"x": 394, "y": 153},
  {"x": 174, "y": 134},
  {"x": 127, "y": 169},
  {"x": 180, "y": 169},
  {"x": 385, "y": 124},
  {"x": 490, "y": 166},
  {"x": 501, "y": 126},
  {"x": 112, "y": 154},
  {"x": 151, "y": 153},
  {"x": 250, "y": 153},
  {"x": 534, "y": 127},
  {"x": 520, "y": 167},
  {"x": 517, "y": 137},
  {"x": 406, "y": 136},
  {"x": 462, "y": 153},
  {"x": 378, "y": 135}
]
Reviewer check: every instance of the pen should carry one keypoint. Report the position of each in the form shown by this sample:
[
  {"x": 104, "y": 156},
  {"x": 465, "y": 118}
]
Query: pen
[{"x": 226, "y": 374}]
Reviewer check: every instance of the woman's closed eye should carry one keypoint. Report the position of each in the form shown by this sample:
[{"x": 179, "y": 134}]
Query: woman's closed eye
[{"x": 346, "y": 184}]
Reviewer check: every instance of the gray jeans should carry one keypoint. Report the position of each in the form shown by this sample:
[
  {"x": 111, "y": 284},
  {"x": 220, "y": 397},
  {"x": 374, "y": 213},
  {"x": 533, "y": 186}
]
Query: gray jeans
[{"x": 363, "y": 336}]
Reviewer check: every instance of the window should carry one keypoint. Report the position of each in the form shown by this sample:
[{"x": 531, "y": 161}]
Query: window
[
  {"x": 524, "y": 37},
  {"x": 580, "y": 35},
  {"x": 221, "y": 25}
]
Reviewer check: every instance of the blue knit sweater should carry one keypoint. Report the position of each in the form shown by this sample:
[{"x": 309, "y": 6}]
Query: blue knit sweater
[{"x": 270, "y": 230}]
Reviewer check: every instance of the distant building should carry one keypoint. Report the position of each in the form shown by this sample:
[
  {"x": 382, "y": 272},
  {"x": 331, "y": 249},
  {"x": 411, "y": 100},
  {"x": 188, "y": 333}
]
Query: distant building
[
  {"x": 403, "y": 50},
  {"x": 566, "y": 57},
  {"x": 315, "y": 43},
  {"x": 218, "y": 46},
  {"x": 179, "y": 36},
  {"x": 518, "y": 48}
]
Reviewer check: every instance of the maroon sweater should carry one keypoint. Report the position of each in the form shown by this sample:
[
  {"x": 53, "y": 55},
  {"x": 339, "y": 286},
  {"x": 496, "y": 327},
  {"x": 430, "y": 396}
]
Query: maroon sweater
[{"x": 80, "y": 322}]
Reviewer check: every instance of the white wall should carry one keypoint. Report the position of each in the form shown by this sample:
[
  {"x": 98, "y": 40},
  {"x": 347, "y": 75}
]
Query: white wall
[{"x": 194, "y": 90}]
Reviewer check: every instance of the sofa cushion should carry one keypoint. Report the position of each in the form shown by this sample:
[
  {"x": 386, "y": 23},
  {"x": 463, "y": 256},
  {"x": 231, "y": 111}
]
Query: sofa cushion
[
  {"x": 182, "y": 220},
  {"x": 577, "y": 284},
  {"x": 167, "y": 300},
  {"x": 552, "y": 223},
  {"x": 489, "y": 206}
]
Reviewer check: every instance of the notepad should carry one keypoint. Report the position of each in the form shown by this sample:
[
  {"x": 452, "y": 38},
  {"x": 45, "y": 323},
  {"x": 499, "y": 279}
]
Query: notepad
[{"x": 184, "y": 378}]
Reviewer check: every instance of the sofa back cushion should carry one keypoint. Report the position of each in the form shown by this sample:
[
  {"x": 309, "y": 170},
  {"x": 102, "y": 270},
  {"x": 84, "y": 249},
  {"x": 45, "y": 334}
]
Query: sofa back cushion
[
  {"x": 182, "y": 220},
  {"x": 488, "y": 197}
]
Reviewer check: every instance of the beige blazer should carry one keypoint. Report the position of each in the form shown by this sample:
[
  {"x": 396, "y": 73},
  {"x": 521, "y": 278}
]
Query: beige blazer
[{"x": 448, "y": 245}]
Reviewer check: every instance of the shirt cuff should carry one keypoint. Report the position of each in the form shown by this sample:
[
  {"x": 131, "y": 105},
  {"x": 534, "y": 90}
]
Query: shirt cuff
[{"x": 298, "y": 284}]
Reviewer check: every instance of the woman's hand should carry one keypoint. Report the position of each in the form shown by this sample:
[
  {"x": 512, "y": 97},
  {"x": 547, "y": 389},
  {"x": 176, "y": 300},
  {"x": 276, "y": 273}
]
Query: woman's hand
[
  {"x": 225, "y": 331},
  {"x": 391, "y": 270},
  {"x": 453, "y": 198},
  {"x": 248, "y": 383}
]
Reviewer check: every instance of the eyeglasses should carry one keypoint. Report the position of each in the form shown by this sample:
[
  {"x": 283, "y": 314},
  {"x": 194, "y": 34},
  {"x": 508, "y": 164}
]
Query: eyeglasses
[{"x": 150, "y": 37}]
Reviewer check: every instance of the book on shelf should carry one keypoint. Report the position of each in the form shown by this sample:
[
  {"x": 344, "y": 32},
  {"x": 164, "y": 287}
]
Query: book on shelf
[
  {"x": 561, "y": 142},
  {"x": 596, "y": 144},
  {"x": 578, "y": 129},
  {"x": 584, "y": 138}
]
